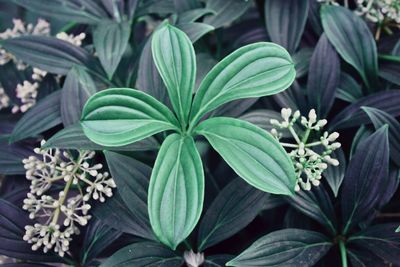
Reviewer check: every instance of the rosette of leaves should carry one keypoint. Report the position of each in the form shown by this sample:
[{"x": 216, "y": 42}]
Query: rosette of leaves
[{"x": 120, "y": 116}]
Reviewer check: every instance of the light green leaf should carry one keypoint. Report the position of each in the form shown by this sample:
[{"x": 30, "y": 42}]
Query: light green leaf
[
  {"x": 120, "y": 116},
  {"x": 111, "y": 40},
  {"x": 175, "y": 60},
  {"x": 176, "y": 190},
  {"x": 255, "y": 70},
  {"x": 353, "y": 40},
  {"x": 252, "y": 153}
]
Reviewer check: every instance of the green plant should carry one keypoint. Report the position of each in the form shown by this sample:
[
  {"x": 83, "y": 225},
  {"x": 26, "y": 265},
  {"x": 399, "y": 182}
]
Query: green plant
[{"x": 120, "y": 116}]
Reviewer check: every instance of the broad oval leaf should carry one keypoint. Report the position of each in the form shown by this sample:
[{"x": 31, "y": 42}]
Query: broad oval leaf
[
  {"x": 289, "y": 247},
  {"x": 87, "y": 11},
  {"x": 365, "y": 178},
  {"x": 78, "y": 87},
  {"x": 302, "y": 60},
  {"x": 73, "y": 137},
  {"x": 111, "y": 40},
  {"x": 348, "y": 89},
  {"x": 175, "y": 60},
  {"x": 48, "y": 53},
  {"x": 233, "y": 208},
  {"x": 120, "y": 116},
  {"x": 11, "y": 156},
  {"x": 353, "y": 40},
  {"x": 144, "y": 254},
  {"x": 132, "y": 179},
  {"x": 380, "y": 118},
  {"x": 254, "y": 154},
  {"x": 323, "y": 77},
  {"x": 176, "y": 190},
  {"x": 44, "y": 115},
  {"x": 285, "y": 21},
  {"x": 254, "y": 70},
  {"x": 195, "y": 30},
  {"x": 353, "y": 115}
]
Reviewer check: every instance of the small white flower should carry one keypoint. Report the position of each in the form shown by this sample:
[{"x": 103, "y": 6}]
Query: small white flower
[
  {"x": 193, "y": 259},
  {"x": 4, "y": 99}
]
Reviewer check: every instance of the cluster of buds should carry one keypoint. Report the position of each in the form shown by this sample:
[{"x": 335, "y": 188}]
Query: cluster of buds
[
  {"x": 4, "y": 99},
  {"x": 59, "y": 216},
  {"x": 27, "y": 92},
  {"x": 308, "y": 161},
  {"x": 193, "y": 259},
  {"x": 378, "y": 11}
]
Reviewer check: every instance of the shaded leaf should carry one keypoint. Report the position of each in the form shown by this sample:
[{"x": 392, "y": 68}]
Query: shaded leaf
[
  {"x": 144, "y": 254},
  {"x": 77, "y": 89},
  {"x": 225, "y": 11},
  {"x": 353, "y": 40},
  {"x": 349, "y": 90},
  {"x": 11, "y": 157},
  {"x": 285, "y": 21},
  {"x": 301, "y": 61},
  {"x": 364, "y": 179},
  {"x": 43, "y": 116},
  {"x": 48, "y": 53},
  {"x": 111, "y": 40},
  {"x": 380, "y": 118},
  {"x": 334, "y": 175},
  {"x": 195, "y": 30},
  {"x": 289, "y": 247},
  {"x": 232, "y": 210},
  {"x": 323, "y": 77}
]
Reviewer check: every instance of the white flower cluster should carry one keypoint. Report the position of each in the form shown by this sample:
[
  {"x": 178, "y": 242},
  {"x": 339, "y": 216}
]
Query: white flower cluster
[
  {"x": 308, "y": 163},
  {"x": 378, "y": 11},
  {"x": 27, "y": 92},
  {"x": 58, "y": 217},
  {"x": 193, "y": 259},
  {"x": 4, "y": 99}
]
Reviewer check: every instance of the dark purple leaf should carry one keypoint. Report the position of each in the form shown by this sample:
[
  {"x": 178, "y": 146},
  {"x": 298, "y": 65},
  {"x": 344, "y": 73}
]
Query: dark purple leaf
[
  {"x": 353, "y": 116},
  {"x": 365, "y": 179},
  {"x": 323, "y": 77}
]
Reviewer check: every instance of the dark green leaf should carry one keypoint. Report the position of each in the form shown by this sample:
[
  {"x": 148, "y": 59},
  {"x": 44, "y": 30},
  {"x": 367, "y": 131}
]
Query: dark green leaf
[
  {"x": 323, "y": 77},
  {"x": 391, "y": 70},
  {"x": 193, "y": 15},
  {"x": 232, "y": 210},
  {"x": 349, "y": 90},
  {"x": 285, "y": 248},
  {"x": 205, "y": 62},
  {"x": 352, "y": 115},
  {"x": 301, "y": 61},
  {"x": 353, "y": 40},
  {"x": 317, "y": 205},
  {"x": 285, "y": 22},
  {"x": 11, "y": 157},
  {"x": 144, "y": 254},
  {"x": 48, "y": 53},
  {"x": 225, "y": 11},
  {"x": 73, "y": 137},
  {"x": 111, "y": 40},
  {"x": 380, "y": 118},
  {"x": 254, "y": 70},
  {"x": 132, "y": 179},
  {"x": 252, "y": 153},
  {"x": 121, "y": 116},
  {"x": 176, "y": 190},
  {"x": 82, "y": 11},
  {"x": 195, "y": 30},
  {"x": 41, "y": 117},
  {"x": 77, "y": 89},
  {"x": 365, "y": 179},
  {"x": 175, "y": 60},
  {"x": 334, "y": 174}
]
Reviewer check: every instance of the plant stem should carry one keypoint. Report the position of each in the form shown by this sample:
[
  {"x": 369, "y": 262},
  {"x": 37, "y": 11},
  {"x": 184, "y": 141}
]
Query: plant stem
[
  {"x": 390, "y": 58},
  {"x": 343, "y": 253},
  {"x": 295, "y": 136},
  {"x": 306, "y": 135}
]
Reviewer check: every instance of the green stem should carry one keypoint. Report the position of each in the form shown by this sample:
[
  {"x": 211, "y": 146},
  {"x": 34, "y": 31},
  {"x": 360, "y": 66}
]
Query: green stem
[
  {"x": 68, "y": 27},
  {"x": 390, "y": 58},
  {"x": 306, "y": 135},
  {"x": 188, "y": 246},
  {"x": 343, "y": 253}
]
